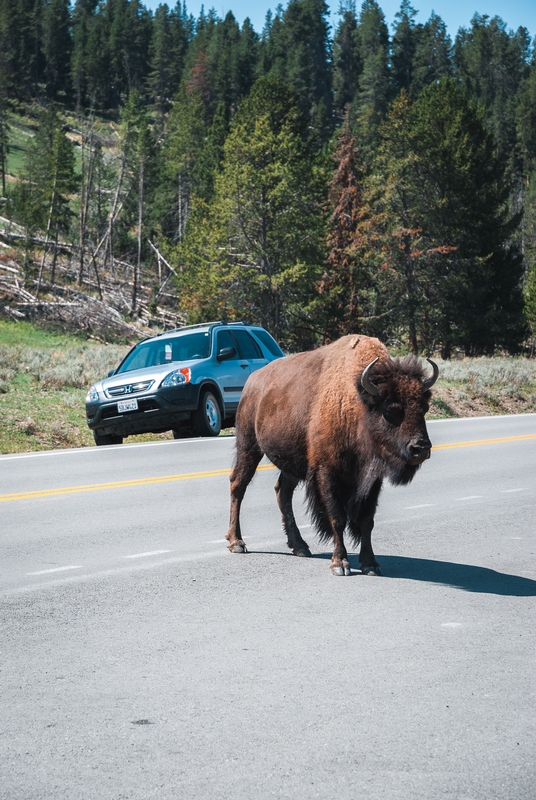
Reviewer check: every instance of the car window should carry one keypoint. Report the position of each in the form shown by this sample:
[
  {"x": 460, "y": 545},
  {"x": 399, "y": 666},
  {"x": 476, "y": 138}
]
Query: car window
[
  {"x": 167, "y": 350},
  {"x": 270, "y": 343},
  {"x": 225, "y": 339},
  {"x": 247, "y": 345}
]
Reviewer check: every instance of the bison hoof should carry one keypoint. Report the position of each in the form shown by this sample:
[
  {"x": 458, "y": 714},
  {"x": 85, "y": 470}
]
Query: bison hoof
[
  {"x": 238, "y": 548},
  {"x": 343, "y": 570},
  {"x": 302, "y": 552},
  {"x": 371, "y": 570}
]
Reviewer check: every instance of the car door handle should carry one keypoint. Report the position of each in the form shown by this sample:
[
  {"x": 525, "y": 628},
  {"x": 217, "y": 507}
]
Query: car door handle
[{"x": 244, "y": 366}]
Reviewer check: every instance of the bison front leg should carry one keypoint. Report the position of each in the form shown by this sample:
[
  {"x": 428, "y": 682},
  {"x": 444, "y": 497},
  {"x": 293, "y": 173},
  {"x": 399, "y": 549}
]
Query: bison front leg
[
  {"x": 246, "y": 464},
  {"x": 339, "y": 560},
  {"x": 361, "y": 531},
  {"x": 328, "y": 511},
  {"x": 284, "y": 490}
]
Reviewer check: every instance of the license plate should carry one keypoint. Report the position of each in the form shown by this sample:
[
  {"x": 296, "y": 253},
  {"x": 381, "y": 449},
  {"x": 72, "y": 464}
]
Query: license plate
[{"x": 127, "y": 405}]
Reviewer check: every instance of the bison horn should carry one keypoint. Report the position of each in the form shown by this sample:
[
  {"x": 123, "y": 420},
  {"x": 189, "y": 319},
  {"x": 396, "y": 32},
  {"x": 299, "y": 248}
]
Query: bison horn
[
  {"x": 429, "y": 382},
  {"x": 366, "y": 383}
]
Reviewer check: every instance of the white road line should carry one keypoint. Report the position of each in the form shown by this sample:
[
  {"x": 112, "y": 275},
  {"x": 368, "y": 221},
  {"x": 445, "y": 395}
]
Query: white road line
[
  {"x": 470, "y": 497},
  {"x": 151, "y": 553},
  {"x": 506, "y": 491},
  {"x": 49, "y": 571},
  {"x": 423, "y": 505},
  {"x": 451, "y": 624},
  {"x": 117, "y": 448},
  {"x": 477, "y": 419}
]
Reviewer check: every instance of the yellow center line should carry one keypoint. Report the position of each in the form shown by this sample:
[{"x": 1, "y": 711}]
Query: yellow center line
[
  {"x": 476, "y": 442},
  {"x": 97, "y": 487},
  {"x": 213, "y": 473}
]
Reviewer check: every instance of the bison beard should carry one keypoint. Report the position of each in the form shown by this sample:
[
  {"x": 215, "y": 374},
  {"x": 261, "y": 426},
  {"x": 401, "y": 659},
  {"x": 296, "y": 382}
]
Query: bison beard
[{"x": 341, "y": 419}]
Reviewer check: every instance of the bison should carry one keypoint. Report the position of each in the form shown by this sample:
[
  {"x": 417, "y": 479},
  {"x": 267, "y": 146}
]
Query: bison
[{"x": 341, "y": 418}]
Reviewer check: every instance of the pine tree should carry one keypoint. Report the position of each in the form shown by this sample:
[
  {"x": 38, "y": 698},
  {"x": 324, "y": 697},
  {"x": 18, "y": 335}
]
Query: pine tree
[
  {"x": 308, "y": 60},
  {"x": 491, "y": 64},
  {"x": 526, "y": 136},
  {"x": 296, "y": 47},
  {"x": 178, "y": 157},
  {"x": 56, "y": 46},
  {"x": 20, "y": 44},
  {"x": 167, "y": 53},
  {"x": 92, "y": 77},
  {"x": 129, "y": 25},
  {"x": 264, "y": 229},
  {"x": 247, "y": 59},
  {"x": 5, "y": 127},
  {"x": 82, "y": 22},
  {"x": 222, "y": 54},
  {"x": 159, "y": 82},
  {"x": 49, "y": 178},
  {"x": 346, "y": 289},
  {"x": 346, "y": 63},
  {"x": 272, "y": 55},
  {"x": 210, "y": 156},
  {"x": 448, "y": 225},
  {"x": 433, "y": 55},
  {"x": 404, "y": 47},
  {"x": 372, "y": 99}
]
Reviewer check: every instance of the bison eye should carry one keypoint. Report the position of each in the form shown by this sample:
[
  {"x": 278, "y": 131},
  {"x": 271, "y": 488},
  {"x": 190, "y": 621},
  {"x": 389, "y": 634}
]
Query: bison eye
[{"x": 393, "y": 413}]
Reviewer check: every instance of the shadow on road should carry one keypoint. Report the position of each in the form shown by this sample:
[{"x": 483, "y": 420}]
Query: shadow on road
[{"x": 460, "y": 576}]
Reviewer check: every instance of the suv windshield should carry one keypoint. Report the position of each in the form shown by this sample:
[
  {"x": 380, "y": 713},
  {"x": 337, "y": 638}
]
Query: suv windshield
[{"x": 166, "y": 350}]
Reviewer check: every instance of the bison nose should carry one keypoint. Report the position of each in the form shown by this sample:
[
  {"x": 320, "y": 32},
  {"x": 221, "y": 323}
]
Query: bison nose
[{"x": 419, "y": 451}]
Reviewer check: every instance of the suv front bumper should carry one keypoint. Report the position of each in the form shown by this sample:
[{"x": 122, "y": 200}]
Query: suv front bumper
[{"x": 157, "y": 411}]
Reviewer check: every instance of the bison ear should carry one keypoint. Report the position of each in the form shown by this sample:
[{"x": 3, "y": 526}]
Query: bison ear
[
  {"x": 429, "y": 382},
  {"x": 366, "y": 382}
]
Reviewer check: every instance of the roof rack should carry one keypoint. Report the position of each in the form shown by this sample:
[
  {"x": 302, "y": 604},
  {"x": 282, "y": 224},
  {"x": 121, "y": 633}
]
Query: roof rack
[{"x": 209, "y": 325}]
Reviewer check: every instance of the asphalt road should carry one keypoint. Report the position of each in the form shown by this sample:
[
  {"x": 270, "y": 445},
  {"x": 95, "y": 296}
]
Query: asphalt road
[{"x": 139, "y": 659}]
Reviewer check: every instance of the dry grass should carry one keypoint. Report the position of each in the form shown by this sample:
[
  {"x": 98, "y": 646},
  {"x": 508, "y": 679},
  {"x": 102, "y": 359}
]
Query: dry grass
[{"x": 472, "y": 387}]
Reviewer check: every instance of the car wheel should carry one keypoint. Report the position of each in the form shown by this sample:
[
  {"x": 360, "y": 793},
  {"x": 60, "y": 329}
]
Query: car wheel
[
  {"x": 207, "y": 418},
  {"x": 106, "y": 438}
]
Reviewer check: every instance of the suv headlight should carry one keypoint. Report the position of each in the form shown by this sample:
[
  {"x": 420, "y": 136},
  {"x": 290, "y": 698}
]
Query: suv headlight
[
  {"x": 177, "y": 378},
  {"x": 92, "y": 395}
]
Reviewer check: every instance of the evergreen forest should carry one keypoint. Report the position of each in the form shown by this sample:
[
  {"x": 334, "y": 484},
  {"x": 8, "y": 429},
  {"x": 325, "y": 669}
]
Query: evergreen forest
[{"x": 316, "y": 180}]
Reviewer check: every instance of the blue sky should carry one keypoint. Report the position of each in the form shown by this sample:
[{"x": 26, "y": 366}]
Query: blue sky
[{"x": 455, "y": 13}]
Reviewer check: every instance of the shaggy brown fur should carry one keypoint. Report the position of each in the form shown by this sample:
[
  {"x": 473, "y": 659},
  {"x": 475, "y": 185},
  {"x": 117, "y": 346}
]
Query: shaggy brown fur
[{"x": 311, "y": 416}]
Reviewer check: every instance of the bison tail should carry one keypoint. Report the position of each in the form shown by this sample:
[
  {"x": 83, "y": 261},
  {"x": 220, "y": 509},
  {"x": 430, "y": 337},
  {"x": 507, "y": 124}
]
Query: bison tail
[{"x": 317, "y": 510}]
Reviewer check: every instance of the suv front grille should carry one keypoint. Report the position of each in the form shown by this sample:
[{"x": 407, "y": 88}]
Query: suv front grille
[
  {"x": 143, "y": 405},
  {"x": 129, "y": 388}
]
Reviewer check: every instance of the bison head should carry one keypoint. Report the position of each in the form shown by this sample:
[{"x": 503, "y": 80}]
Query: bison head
[{"x": 397, "y": 395}]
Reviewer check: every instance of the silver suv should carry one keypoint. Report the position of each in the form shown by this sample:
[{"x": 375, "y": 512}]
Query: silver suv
[{"x": 188, "y": 381}]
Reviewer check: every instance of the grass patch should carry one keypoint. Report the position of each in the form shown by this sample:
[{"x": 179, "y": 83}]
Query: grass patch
[
  {"x": 472, "y": 387},
  {"x": 440, "y": 408},
  {"x": 43, "y": 383},
  {"x": 21, "y": 133},
  {"x": 24, "y": 334}
]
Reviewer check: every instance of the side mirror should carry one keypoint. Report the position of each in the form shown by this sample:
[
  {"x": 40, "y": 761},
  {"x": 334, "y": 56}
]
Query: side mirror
[
  {"x": 226, "y": 353},
  {"x": 111, "y": 372}
]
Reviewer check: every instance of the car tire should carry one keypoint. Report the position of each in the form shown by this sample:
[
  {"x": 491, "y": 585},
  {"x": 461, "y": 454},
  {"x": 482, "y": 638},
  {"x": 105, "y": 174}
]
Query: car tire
[
  {"x": 106, "y": 438},
  {"x": 207, "y": 418}
]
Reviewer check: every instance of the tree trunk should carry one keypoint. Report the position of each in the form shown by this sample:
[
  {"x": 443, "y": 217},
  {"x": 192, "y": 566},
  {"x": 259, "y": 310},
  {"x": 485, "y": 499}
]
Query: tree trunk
[
  {"x": 54, "y": 256},
  {"x": 137, "y": 268},
  {"x": 84, "y": 199},
  {"x": 47, "y": 237}
]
